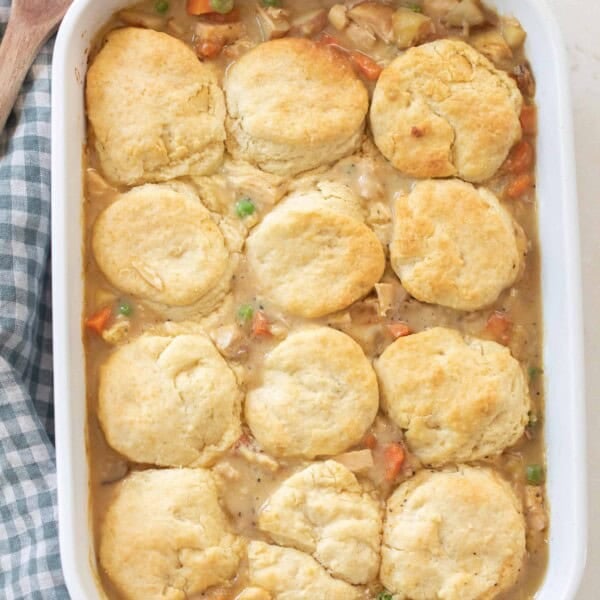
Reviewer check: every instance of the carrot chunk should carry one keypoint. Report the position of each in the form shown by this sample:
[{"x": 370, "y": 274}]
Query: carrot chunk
[
  {"x": 499, "y": 325},
  {"x": 528, "y": 119},
  {"x": 199, "y": 7},
  {"x": 209, "y": 48},
  {"x": 365, "y": 65},
  {"x": 520, "y": 159},
  {"x": 519, "y": 186},
  {"x": 369, "y": 441},
  {"x": 399, "y": 329},
  {"x": 260, "y": 324},
  {"x": 98, "y": 321},
  {"x": 394, "y": 456}
]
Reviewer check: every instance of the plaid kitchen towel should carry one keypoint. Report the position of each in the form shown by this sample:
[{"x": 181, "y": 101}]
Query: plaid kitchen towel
[{"x": 29, "y": 558}]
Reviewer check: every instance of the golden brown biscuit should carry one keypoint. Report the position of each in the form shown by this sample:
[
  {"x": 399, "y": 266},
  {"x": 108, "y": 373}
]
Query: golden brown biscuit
[
  {"x": 156, "y": 111},
  {"x": 324, "y": 511},
  {"x": 166, "y": 537},
  {"x": 169, "y": 401},
  {"x": 293, "y": 105},
  {"x": 455, "y": 245},
  {"x": 289, "y": 574},
  {"x": 443, "y": 109},
  {"x": 318, "y": 395},
  {"x": 457, "y": 399},
  {"x": 159, "y": 243},
  {"x": 457, "y": 535},
  {"x": 313, "y": 255}
]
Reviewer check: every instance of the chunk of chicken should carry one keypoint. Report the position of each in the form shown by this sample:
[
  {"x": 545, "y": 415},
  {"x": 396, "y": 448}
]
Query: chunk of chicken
[
  {"x": 535, "y": 511},
  {"x": 310, "y": 23},
  {"x": 223, "y": 33},
  {"x": 118, "y": 333},
  {"x": 265, "y": 189},
  {"x": 138, "y": 18},
  {"x": 274, "y": 22},
  {"x": 375, "y": 18},
  {"x": 466, "y": 12},
  {"x": 338, "y": 17},
  {"x": 385, "y": 297},
  {"x": 410, "y": 28},
  {"x": 230, "y": 341},
  {"x": 361, "y": 37}
]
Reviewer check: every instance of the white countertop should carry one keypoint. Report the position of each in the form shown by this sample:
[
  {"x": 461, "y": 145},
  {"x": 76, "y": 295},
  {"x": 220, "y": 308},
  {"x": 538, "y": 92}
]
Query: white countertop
[{"x": 580, "y": 22}]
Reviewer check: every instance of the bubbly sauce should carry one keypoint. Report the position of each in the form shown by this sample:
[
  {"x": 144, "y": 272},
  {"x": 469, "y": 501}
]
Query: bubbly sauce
[{"x": 248, "y": 475}]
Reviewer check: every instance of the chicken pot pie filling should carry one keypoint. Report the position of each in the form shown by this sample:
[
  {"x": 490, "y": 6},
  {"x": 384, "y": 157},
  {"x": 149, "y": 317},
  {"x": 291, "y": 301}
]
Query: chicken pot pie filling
[{"x": 312, "y": 302}]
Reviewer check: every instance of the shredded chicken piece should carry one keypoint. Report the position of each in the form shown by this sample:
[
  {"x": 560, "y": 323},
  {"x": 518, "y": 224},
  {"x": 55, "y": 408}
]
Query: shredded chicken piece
[
  {"x": 137, "y": 18},
  {"x": 265, "y": 189},
  {"x": 230, "y": 341},
  {"x": 274, "y": 22},
  {"x": 374, "y": 17},
  {"x": 535, "y": 512},
  {"x": 385, "y": 297},
  {"x": 360, "y": 36},
  {"x": 357, "y": 461},
  {"x": 218, "y": 33},
  {"x": 117, "y": 333},
  {"x": 338, "y": 17},
  {"x": 310, "y": 23}
]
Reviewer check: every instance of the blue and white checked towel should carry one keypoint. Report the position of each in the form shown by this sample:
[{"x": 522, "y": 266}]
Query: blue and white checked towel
[{"x": 29, "y": 559}]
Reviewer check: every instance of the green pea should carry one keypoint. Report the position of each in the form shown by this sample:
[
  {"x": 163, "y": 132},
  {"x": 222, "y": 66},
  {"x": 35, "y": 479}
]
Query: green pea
[
  {"x": 125, "y": 308},
  {"x": 161, "y": 6},
  {"x": 275, "y": 3},
  {"x": 244, "y": 208},
  {"x": 415, "y": 8},
  {"x": 534, "y": 373},
  {"x": 245, "y": 312},
  {"x": 222, "y": 6},
  {"x": 535, "y": 474},
  {"x": 384, "y": 596}
]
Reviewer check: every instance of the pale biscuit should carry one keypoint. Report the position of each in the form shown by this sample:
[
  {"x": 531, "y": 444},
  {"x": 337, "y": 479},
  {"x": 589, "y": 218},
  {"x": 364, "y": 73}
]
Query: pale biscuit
[
  {"x": 289, "y": 574},
  {"x": 457, "y": 399},
  {"x": 443, "y": 109},
  {"x": 455, "y": 245},
  {"x": 457, "y": 535},
  {"x": 169, "y": 401},
  {"x": 156, "y": 111},
  {"x": 324, "y": 511},
  {"x": 159, "y": 243},
  {"x": 312, "y": 255},
  {"x": 293, "y": 105},
  {"x": 318, "y": 395},
  {"x": 166, "y": 537}
]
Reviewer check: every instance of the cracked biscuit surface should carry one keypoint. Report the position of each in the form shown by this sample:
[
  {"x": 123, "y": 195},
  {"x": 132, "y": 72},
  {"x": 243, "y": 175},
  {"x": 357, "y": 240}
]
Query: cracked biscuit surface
[
  {"x": 317, "y": 395},
  {"x": 158, "y": 242},
  {"x": 457, "y": 399},
  {"x": 324, "y": 511},
  {"x": 443, "y": 109},
  {"x": 289, "y": 574},
  {"x": 457, "y": 535},
  {"x": 313, "y": 254},
  {"x": 165, "y": 536},
  {"x": 293, "y": 105},
  {"x": 455, "y": 245},
  {"x": 156, "y": 111},
  {"x": 169, "y": 401}
]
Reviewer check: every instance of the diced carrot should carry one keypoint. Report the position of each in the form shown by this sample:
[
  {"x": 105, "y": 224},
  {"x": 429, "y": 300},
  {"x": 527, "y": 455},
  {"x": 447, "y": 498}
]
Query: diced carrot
[
  {"x": 520, "y": 159},
  {"x": 499, "y": 325},
  {"x": 260, "y": 324},
  {"x": 369, "y": 441},
  {"x": 365, "y": 65},
  {"x": 394, "y": 456},
  {"x": 199, "y": 7},
  {"x": 231, "y": 17},
  {"x": 529, "y": 119},
  {"x": 399, "y": 329},
  {"x": 519, "y": 186},
  {"x": 208, "y": 48},
  {"x": 98, "y": 321}
]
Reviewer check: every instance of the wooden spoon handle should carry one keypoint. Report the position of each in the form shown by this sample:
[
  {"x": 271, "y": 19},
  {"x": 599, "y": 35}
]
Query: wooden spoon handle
[{"x": 19, "y": 47}]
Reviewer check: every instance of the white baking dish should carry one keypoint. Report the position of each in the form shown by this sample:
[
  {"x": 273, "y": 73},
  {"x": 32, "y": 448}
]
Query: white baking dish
[{"x": 560, "y": 284}]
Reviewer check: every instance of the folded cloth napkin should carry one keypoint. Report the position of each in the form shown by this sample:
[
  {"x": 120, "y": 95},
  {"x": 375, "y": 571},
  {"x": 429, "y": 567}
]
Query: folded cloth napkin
[{"x": 29, "y": 558}]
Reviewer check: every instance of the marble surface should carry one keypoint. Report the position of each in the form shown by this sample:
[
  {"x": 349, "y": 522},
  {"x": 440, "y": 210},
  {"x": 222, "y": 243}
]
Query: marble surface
[{"x": 580, "y": 23}]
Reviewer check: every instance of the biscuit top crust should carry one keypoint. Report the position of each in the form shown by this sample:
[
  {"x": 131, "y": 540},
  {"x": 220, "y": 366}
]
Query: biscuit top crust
[
  {"x": 156, "y": 111},
  {"x": 455, "y": 245},
  {"x": 456, "y": 534},
  {"x": 292, "y": 97},
  {"x": 443, "y": 109}
]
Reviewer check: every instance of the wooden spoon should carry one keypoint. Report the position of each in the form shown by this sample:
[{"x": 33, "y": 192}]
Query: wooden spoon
[{"x": 30, "y": 24}]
